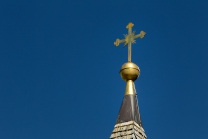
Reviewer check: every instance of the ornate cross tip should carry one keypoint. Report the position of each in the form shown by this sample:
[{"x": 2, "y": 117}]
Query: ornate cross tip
[
  {"x": 130, "y": 25},
  {"x": 129, "y": 38}
]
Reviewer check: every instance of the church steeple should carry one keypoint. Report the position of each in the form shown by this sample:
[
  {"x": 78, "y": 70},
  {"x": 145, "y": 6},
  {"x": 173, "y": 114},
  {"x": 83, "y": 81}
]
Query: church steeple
[{"x": 128, "y": 123}]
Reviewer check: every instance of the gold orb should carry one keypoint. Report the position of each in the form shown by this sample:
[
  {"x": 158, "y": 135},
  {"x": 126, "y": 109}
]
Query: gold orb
[{"x": 129, "y": 71}]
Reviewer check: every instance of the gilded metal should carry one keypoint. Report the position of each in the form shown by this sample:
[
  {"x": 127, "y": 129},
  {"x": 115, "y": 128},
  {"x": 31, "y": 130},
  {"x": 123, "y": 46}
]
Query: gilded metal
[
  {"x": 129, "y": 71},
  {"x": 130, "y": 88},
  {"x": 129, "y": 39}
]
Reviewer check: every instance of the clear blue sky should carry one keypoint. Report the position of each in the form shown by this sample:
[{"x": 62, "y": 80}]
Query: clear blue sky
[{"x": 59, "y": 69}]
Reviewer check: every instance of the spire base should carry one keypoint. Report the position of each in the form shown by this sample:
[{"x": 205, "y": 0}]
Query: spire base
[{"x": 128, "y": 130}]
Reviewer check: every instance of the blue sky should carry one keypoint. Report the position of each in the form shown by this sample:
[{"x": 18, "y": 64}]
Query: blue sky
[{"x": 59, "y": 73}]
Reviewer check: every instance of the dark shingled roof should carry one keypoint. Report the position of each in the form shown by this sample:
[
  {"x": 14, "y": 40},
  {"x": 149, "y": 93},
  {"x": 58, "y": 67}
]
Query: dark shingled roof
[{"x": 129, "y": 110}]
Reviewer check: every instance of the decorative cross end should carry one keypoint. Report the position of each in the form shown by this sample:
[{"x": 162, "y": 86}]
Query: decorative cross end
[
  {"x": 130, "y": 25},
  {"x": 117, "y": 42}
]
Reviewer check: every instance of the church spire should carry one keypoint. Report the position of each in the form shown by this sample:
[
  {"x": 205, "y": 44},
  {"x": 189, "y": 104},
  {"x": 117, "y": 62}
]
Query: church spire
[{"x": 128, "y": 123}]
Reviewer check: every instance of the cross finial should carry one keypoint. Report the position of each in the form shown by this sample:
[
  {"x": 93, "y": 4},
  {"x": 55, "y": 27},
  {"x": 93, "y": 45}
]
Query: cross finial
[{"x": 129, "y": 39}]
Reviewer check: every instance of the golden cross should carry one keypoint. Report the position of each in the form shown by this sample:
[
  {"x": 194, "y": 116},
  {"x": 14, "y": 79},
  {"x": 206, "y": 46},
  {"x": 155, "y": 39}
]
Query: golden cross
[{"x": 129, "y": 39}]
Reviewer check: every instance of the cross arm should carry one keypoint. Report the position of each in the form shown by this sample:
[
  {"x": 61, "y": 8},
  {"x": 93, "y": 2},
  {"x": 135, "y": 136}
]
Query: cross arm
[
  {"x": 118, "y": 41},
  {"x": 140, "y": 35}
]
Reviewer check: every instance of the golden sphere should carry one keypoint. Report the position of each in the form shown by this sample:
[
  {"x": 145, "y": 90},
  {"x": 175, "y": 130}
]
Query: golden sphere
[{"x": 129, "y": 71}]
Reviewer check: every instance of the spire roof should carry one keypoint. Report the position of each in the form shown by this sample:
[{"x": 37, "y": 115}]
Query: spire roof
[
  {"x": 129, "y": 110},
  {"x": 128, "y": 123}
]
